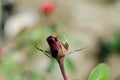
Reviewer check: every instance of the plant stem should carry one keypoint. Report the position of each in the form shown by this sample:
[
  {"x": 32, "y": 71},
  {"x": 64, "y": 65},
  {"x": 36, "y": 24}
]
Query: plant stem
[{"x": 61, "y": 64}]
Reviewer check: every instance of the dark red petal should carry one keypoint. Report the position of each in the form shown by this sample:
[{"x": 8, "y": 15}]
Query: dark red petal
[{"x": 54, "y": 45}]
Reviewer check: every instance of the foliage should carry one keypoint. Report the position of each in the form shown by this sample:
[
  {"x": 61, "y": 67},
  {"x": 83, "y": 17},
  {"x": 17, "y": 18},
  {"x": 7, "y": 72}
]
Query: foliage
[
  {"x": 101, "y": 72},
  {"x": 13, "y": 70},
  {"x": 115, "y": 42},
  {"x": 110, "y": 47}
]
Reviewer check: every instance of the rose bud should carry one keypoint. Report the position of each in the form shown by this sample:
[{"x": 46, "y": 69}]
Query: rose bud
[
  {"x": 57, "y": 48},
  {"x": 48, "y": 8}
]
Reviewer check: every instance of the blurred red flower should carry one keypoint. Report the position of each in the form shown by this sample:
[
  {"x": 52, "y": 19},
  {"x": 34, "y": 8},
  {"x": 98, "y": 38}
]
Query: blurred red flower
[
  {"x": 48, "y": 7},
  {"x": 1, "y": 51}
]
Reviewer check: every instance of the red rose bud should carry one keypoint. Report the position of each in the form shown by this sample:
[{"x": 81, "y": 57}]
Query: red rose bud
[
  {"x": 57, "y": 48},
  {"x": 54, "y": 45},
  {"x": 48, "y": 7}
]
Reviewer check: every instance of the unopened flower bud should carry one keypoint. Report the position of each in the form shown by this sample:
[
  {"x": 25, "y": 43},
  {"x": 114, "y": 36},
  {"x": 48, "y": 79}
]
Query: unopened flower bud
[{"x": 57, "y": 48}]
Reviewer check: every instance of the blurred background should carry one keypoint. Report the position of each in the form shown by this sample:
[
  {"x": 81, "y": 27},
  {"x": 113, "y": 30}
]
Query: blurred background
[{"x": 90, "y": 24}]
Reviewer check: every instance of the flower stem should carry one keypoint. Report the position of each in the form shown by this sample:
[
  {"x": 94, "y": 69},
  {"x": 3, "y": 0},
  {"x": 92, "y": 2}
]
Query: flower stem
[{"x": 61, "y": 64}]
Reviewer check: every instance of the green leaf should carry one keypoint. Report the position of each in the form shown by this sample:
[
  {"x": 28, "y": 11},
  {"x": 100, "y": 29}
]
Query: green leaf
[{"x": 101, "y": 72}]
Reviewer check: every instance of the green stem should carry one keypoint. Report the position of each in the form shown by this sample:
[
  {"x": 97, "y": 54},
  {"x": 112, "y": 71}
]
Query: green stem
[{"x": 61, "y": 64}]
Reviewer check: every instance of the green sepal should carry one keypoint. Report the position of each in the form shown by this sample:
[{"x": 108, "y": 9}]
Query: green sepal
[
  {"x": 66, "y": 45},
  {"x": 46, "y": 52}
]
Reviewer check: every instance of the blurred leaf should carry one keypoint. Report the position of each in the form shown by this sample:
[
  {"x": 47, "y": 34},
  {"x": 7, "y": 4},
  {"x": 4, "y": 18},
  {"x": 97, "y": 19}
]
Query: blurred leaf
[
  {"x": 36, "y": 34},
  {"x": 31, "y": 51},
  {"x": 16, "y": 76},
  {"x": 52, "y": 65},
  {"x": 69, "y": 64},
  {"x": 36, "y": 76},
  {"x": 101, "y": 72},
  {"x": 11, "y": 68},
  {"x": 115, "y": 43},
  {"x": 110, "y": 1},
  {"x": 118, "y": 77},
  {"x": 23, "y": 39},
  {"x": 54, "y": 27},
  {"x": 104, "y": 51}
]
